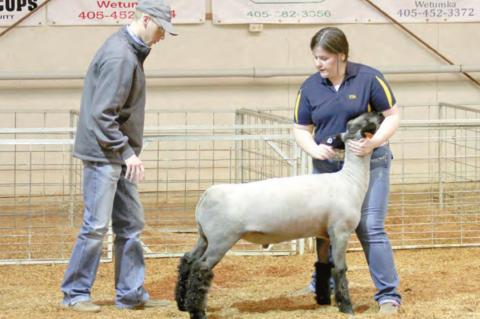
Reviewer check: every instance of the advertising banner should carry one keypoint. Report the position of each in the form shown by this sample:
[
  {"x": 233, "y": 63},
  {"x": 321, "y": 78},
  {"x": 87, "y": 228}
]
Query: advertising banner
[
  {"x": 13, "y": 10},
  {"x": 343, "y": 11},
  {"x": 107, "y": 12}
]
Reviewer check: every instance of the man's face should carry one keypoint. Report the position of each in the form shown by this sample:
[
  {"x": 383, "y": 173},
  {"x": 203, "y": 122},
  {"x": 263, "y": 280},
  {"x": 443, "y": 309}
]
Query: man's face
[{"x": 153, "y": 32}]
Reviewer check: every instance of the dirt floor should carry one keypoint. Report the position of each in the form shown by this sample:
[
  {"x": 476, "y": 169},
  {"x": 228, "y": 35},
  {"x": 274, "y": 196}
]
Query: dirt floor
[{"x": 435, "y": 283}]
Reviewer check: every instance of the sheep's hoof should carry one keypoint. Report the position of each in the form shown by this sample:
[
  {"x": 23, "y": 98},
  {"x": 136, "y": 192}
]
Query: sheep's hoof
[
  {"x": 346, "y": 308},
  {"x": 181, "y": 305},
  {"x": 323, "y": 300},
  {"x": 198, "y": 315}
]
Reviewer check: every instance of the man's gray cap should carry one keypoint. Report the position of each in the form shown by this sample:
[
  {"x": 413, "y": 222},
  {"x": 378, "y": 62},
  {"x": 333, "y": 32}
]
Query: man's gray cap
[{"x": 160, "y": 12}]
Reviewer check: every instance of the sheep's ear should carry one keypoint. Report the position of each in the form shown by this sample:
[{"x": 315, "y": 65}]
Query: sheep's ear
[
  {"x": 338, "y": 142},
  {"x": 381, "y": 116},
  {"x": 335, "y": 141},
  {"x": 371, "y": 128}
]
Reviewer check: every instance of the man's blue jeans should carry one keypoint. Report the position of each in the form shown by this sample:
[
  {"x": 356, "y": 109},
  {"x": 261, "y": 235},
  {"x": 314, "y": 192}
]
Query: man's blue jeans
[
  {"x": 371, "y": 231},
  {"x": 107, "y": 194}
]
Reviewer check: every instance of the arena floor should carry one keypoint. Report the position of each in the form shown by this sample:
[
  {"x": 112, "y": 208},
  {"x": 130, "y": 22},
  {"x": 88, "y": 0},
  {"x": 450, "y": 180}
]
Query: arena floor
[{"x": 435, "y": 283}]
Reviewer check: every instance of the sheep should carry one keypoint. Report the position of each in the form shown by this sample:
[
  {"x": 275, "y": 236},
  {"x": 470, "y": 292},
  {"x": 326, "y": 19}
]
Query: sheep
[{"x": 277, "y": 210}]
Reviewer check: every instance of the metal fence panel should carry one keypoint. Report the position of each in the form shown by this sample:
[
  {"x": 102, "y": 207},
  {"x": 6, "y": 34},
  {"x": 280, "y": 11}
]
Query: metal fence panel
[{"x": 435, "y": 178}]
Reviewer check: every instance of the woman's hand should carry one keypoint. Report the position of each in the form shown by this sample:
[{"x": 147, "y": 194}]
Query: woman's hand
[
  {"x": 361, "y": 147},
  {"x": 385, "y": 131},
  {"x": 304, "y": 138},
  {"x": 323, "y": 152}
]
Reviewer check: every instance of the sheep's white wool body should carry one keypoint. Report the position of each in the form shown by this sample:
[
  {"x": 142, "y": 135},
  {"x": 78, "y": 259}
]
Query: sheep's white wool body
[
  {"x": 276, "y": 210},
  {"x": 282, "y": 209}
]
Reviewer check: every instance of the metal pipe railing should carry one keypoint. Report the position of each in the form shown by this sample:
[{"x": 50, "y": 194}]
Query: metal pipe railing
[
  {"x": 152, "y": 131},
  {"x": 252, "y": 72}
]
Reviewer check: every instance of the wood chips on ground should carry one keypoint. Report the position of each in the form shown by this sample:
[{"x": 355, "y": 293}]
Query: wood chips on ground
[{"x": 435, "y": 283}]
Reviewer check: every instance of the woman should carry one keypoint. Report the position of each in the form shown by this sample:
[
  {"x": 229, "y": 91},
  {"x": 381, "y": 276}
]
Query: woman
[{"x": 340, "y": 91}]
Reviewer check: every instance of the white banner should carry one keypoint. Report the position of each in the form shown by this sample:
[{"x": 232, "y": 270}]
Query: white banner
[
  {"x": 343, "y": 11},
  {"x": 108, "y": 12},
  {"x": 432, "y": 10},
  {"x": 13, "y": 10}
]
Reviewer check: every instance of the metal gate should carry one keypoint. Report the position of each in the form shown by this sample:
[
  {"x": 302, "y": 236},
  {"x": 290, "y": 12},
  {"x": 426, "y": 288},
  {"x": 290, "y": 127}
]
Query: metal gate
[{"x": 184, "y": 153}]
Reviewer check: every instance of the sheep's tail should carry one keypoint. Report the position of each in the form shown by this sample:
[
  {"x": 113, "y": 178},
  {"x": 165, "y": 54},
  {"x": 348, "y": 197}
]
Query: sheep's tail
[
  {"x": 200, "y": 210},
  {"x": 201, "y": 234},
  {"x": 185, "y": 269},
  {"x": 197, "y": 209},
  {"x": 201, "y": 199}
]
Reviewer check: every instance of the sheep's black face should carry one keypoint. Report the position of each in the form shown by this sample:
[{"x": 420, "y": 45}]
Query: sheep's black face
[{"x": 358, "y": 127}]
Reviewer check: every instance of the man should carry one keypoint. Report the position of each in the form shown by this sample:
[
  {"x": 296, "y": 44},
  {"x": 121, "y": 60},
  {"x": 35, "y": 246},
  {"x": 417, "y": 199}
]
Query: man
[{"x": 108, "y": 141}]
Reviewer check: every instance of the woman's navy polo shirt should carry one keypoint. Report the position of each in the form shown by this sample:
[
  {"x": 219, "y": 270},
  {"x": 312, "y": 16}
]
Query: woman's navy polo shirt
[{"x": 364, "y": 89}]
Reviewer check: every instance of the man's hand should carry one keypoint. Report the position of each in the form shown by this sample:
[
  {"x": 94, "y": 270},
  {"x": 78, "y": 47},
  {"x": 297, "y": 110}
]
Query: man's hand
[{"x": 135, "y": 170}]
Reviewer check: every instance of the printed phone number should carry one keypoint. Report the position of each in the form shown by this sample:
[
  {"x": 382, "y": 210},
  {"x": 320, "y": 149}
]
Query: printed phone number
[
  {"x": 290, "y": 14},
  {"x": 100, "y": 15},
  {"x": 436, "y": 13}
]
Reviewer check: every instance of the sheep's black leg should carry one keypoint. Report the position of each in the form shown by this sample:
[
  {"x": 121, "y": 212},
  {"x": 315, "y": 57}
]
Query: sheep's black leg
[
  {"x": 199, "y": 282},
  {"x": 339, "y": 239},
  {"x": 184, "y": 271},
  {"x": 323, "y": 272},
  {"x": 323, "y": 248},
  {"x": 322, "y": 284},
  {"x": 201, "y": 274},
  {"x": 181, "y": 287},
  {"x": 342, "y": 296}
]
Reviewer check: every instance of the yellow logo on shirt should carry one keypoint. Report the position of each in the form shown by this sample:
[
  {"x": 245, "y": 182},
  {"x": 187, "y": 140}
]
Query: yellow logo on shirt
[{"x": 352, "y": 97}]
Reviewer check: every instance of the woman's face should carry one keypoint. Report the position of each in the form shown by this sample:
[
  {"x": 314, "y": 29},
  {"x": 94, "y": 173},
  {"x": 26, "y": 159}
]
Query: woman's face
[{"x": 327, "y": 63}]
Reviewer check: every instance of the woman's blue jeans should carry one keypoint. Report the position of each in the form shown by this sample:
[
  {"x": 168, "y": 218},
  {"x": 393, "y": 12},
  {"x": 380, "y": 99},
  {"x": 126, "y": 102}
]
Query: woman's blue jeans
[
  {"x": 107, "y": 194},
  {"x": 371, "y": 232}
]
